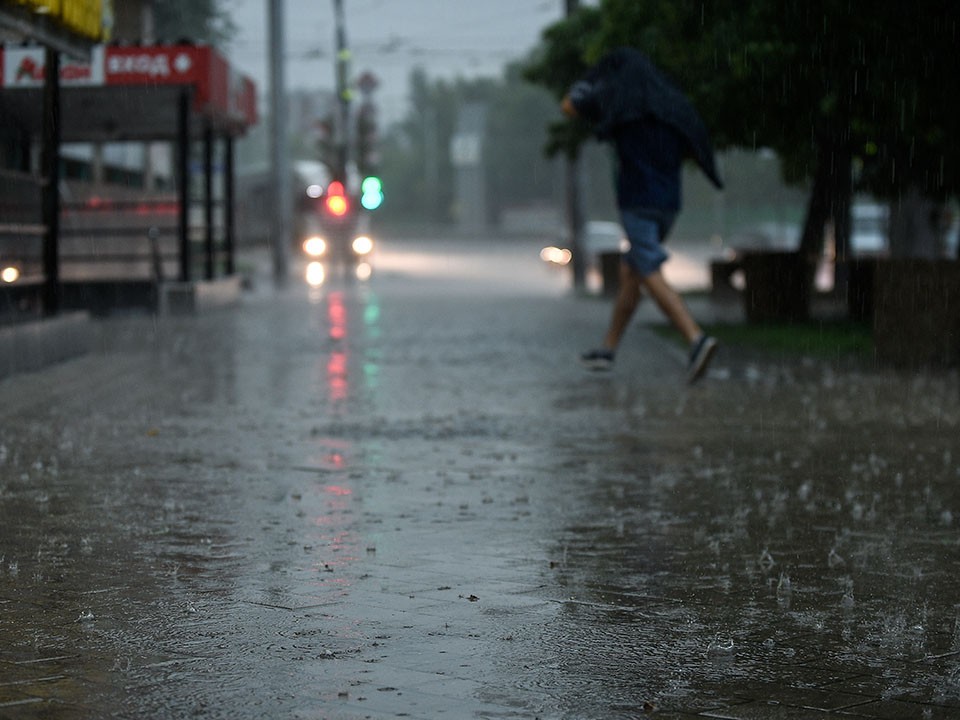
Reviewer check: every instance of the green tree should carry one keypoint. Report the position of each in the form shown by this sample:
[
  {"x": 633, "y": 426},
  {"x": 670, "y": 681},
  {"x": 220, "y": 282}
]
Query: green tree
[
  {"x": 517, "y": 170},
  {"x": 416, "y": 170},
  {"x": 202, "y": 21},
  {"x": 827, "y": 84},
  {"x": 561, "y": 59},
  {"x": 415, "y": 154}
]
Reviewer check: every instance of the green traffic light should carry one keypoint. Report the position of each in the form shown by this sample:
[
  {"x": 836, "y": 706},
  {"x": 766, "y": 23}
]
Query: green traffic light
[{"x": 372, "y": 193}]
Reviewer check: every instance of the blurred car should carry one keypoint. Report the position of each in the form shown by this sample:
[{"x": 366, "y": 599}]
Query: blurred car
[
  {"x": 869, "y": 228},
  {"x": 599, "y": 238},
  {"x": 869, "y": 232},
  {"x": 341, "y": 243},
  {"x": 869, "y": 225}
]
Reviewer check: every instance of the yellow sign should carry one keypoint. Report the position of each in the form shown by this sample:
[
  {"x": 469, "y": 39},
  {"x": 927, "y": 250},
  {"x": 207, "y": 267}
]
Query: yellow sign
[{"x": 91, "y": 19}]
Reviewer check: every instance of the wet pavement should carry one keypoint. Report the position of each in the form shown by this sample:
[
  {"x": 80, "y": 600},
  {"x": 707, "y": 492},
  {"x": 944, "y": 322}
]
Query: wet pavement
[{"x": 406, "y": 499}]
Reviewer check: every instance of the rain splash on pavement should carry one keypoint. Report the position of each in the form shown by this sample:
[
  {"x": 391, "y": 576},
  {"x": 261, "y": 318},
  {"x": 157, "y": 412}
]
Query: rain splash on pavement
[{"x": 405, "y": 498}]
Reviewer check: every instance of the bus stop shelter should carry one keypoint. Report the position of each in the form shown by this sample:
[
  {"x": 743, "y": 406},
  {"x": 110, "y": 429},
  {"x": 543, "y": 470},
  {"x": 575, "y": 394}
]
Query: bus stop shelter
[{"x": 187, "y": 95}]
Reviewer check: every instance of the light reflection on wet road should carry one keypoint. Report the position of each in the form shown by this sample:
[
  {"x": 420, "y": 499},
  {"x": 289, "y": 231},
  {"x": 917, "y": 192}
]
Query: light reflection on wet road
[{"x": 407, "y": 499}]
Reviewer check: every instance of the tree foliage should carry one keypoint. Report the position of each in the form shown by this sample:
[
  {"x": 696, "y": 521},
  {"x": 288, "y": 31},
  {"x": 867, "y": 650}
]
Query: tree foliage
[
  {"x": 202, "y": 21},
  {"x": 827, "y": 84},
  {"x": 560, "y": 60},
  {"x": 416, "y": 161}
]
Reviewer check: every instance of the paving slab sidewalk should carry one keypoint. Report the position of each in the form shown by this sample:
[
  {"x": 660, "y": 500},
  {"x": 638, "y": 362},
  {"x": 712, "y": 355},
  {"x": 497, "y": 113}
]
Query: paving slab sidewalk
[{"x": 407, "y": 499}]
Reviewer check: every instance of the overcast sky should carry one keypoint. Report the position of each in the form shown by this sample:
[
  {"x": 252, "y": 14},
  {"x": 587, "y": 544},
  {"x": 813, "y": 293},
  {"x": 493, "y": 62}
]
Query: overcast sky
[{"x": 447, "y": 38}]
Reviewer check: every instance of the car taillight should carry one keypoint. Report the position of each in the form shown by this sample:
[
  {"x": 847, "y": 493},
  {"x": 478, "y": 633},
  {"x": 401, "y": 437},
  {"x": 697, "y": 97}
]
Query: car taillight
[{"x": 336, "y": 201}]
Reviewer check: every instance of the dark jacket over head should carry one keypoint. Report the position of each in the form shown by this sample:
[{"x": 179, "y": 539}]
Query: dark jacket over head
[{"x": 625, "y": 87}]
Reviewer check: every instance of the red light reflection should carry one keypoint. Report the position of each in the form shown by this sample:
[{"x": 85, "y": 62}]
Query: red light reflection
[
  {"x": 338, "y": 384},
  {"x": 338, "y": 490},
  {"x": 337, "y": 316}
]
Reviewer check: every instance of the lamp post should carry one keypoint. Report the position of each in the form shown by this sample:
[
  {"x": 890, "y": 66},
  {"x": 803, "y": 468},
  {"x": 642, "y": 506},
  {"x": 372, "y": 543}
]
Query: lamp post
[
  {"x": 280, "y": 163},
  {"x": 343, "y": 93},
  {"x": 573, "y": 199}
]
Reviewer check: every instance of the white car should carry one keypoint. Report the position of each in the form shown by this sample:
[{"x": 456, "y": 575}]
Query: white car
[
  {"x": 868, "y": 233},
  {"x": 599, "y": 237}
]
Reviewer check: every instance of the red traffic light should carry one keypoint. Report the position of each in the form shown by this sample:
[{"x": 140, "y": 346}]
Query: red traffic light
[{"x": 336, "y": 200}]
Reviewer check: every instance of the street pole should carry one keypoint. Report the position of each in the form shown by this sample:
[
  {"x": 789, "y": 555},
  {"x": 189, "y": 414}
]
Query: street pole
[
  {"x": 343, "y": 93},
  {"x": 573, "y": 197},
  {"x": 51, "y": 183},
  {"x": 280, "y": 163}
]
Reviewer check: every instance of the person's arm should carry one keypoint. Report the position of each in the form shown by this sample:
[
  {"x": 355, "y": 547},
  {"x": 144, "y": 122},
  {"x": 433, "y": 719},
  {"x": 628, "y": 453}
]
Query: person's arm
[{"x": 581, "y": 101}]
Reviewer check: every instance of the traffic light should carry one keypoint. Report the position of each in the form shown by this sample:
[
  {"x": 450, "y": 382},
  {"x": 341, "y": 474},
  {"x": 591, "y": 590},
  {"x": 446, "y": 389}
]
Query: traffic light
[
  {"x": 366, "y": 138},
  {"x": 371, "y": 193},
  {"x": 326, "y": 139},
  {"x": 336, "y": 201}
]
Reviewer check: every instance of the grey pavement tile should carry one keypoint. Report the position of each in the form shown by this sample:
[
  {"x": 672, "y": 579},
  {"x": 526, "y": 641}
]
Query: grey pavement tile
[
  {"x": 12, "y": 696},
  {"x": 609, "y": 530},
  {"x": 826, "y": 700},
  {"x": 899, "y": 710},
  {"x": 394, "y": 702},
  {"x": 39, "y": 709},
  {"x": 768, "y": 710},
  {"x": 903, "y": 683}
]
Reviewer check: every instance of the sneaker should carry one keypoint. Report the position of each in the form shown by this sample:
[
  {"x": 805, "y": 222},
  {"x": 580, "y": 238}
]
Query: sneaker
[
  {"x": 701, "y": 353},
  {"x": 600, "y": 359}
]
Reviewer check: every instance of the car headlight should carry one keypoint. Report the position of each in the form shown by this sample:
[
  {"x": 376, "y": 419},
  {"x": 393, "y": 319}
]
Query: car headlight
[
  {"x": 555, "y": 255},
  {"x": 315, "y": 246},
  {"x": 316, "y": 275},
  {"x": 363, "y": 271},
  {"x": 10, "y": 274},
  {"x": 362, "y": 245}
]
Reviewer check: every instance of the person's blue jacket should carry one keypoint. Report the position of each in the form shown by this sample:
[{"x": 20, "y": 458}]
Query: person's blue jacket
[
  {"x": 626, "y": 87},
  {"x": 649, "y": 154}
]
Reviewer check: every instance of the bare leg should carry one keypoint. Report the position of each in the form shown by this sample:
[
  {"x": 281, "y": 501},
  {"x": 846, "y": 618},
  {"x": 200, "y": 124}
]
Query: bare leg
[
  {"x": 672, "y": 305},
  {"x": 628, "y": 297}
]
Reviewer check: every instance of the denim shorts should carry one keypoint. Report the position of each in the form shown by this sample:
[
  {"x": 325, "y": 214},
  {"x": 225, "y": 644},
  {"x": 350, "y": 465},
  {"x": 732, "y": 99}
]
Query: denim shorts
[{"x": 646, "y": 231}]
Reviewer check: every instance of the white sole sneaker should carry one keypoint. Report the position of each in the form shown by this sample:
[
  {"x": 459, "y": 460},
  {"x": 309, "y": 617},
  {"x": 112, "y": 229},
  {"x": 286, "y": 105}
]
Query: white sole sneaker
[{"x": 700, "y": 358}]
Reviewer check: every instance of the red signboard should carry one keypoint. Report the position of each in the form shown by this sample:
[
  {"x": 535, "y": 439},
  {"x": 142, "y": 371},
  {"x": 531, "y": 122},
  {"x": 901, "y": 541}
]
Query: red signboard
[
  {"x": 218, "y": 90},
  {"x": 177, "y": 65}
]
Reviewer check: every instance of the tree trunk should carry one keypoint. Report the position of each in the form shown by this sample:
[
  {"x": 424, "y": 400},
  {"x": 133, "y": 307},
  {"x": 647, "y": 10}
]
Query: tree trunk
[
  {"x": 574, "y": 207},
  {"x": 915, "y": 230},
  {"x": 830, "y": 199}
]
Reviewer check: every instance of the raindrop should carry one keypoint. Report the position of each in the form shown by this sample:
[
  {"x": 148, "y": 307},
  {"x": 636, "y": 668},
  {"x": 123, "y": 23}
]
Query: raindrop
[
  {"x": 766, "y": 560},
  {"x": 847, "y": 600},
  {"x": 784, "y": 587},
  {"x": 834, "y": 559},
  {"x": 85, "y": 616},
  {"x": 720, "y": 646}
]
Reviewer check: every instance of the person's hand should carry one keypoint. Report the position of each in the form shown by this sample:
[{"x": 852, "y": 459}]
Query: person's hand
[{"x": 567, "y": 106}]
